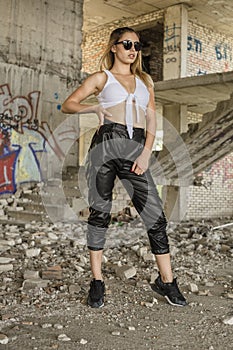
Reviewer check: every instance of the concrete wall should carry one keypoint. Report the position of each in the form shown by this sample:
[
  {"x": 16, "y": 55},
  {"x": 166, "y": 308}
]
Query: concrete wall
[{"x": 40, "y": 62}]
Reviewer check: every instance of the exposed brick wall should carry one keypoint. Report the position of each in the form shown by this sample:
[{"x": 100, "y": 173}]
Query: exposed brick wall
[
  {"x": 214, "y": 197},
  {"x": 210, "y": 52},
  {"x": 94, "y": 43},
  {"x": 194, "y": 118}
]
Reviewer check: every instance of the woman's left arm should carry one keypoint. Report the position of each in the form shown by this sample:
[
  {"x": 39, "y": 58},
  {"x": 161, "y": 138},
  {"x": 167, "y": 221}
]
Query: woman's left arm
[{"x": 141, "y": 164}]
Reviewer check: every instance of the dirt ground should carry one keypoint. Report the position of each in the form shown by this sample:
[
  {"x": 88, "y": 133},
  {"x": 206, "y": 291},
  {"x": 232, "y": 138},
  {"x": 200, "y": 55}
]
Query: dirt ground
[
  {"x": 134, "y": 316},
  {"x": 123, "y": 323}
]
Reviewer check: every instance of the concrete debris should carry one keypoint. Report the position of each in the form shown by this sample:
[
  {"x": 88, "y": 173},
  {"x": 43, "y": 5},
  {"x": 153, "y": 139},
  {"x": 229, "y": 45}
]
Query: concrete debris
[
  {"x": 149, "y": 257},
  {"x": 6, "y": 260},
  {"x": 126, "y": 271},
  {"x": 46, "y": 325},
  {"x": 45, "y": 265},
  {"x": 142, "y": 251},
  {"x": 6, "y": 267},
  {"x": 34, "y": 283},
  {"x": 28, "y": 274},
  {"x": 48, "y": 257},
  {"x": 33, "y": 252},
  {"x": 74, "y": 289},
  {"x": 228, "y": 320},
  {"x": 4, "y": 339},
  {"x": 116, "y": 333},
  {"x": 193, "y": 288},
  {"x": 63, "y": 337},
  {"x": 53, "y": 272},
  {"x": 150, "y": 303},
  {"x": 58, "y": 326}
]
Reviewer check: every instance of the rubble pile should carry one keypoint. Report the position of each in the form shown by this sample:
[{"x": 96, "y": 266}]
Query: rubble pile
[
  {"x": 54, "y": 258},
  {"x": 45, "y": 264}
]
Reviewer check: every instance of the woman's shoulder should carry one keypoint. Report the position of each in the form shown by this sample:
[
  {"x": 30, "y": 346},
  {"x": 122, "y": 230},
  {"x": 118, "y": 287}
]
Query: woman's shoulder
[{"x": 100, "y": 77}]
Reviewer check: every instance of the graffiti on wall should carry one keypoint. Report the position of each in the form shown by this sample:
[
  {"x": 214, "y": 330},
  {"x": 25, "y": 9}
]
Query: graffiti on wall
[
  {"x": 221, "y": 170},
  {"x": 202, "y": 55},
  {"x": 22, "y": 138},
  {"x": 172, "y": 42},
  {"x": 194, "y": 44},
  {"x": 223, "y": 52}
]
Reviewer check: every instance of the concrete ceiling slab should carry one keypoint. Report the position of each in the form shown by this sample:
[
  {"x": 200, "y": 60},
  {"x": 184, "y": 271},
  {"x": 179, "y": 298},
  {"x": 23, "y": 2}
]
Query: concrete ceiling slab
[
  {"x": 217, "y": 14},
  {"x": 200, "y": 93}
]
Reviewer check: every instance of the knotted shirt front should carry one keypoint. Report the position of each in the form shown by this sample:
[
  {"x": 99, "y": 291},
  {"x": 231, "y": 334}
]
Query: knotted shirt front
[{"x": 115, "y": 93}]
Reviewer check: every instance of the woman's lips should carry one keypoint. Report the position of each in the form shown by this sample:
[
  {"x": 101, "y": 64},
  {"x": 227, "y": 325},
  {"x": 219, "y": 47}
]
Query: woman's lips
[{"x": 132, "y": 56}]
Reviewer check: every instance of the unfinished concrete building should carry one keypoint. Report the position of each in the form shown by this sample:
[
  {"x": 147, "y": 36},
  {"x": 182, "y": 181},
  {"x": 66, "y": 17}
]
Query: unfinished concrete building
[{"x": 48, "y": 48}]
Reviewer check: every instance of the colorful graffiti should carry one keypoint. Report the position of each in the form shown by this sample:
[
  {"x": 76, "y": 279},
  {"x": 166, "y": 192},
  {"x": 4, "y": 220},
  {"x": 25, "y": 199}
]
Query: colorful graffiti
[{"x": 22, "y": 138}]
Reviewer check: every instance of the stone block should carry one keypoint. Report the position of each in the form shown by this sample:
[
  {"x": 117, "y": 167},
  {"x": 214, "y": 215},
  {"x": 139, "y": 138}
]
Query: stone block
[
  {"x": 126, "y": 272},
  {"x": 53, "y": 272}
]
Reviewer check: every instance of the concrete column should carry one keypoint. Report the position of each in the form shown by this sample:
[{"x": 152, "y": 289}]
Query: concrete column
[
  {"x": 174, "y": 197},
  {"x": 175, "y": 52},
  {"x": 175, "y": 205},
  {"x": 175, "y": 42}
]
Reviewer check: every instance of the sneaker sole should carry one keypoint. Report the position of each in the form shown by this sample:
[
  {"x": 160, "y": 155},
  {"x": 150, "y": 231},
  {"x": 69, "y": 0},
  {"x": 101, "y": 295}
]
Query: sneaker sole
[
  {"x": 171, "y": 303},
  {"x": 95, "y": 305}
]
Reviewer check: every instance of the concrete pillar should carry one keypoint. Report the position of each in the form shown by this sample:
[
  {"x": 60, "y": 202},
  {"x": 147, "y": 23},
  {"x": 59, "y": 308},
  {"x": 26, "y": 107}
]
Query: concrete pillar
[
  {"x": 175, "y": 202},
  {"x": 175, "y": 53},
  {"x": 175, "y": 42},
  {"x": 174, "y": 197}
]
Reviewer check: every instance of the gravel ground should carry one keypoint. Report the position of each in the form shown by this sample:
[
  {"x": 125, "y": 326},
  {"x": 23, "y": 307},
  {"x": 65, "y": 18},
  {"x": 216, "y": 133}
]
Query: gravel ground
[{"x": 45, "y": 277}]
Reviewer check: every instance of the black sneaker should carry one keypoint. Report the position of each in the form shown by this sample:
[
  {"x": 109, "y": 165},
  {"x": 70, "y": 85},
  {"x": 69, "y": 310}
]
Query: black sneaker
[
  {"x": 96, "y": 294},
  {"x": 170, "y": 291}
]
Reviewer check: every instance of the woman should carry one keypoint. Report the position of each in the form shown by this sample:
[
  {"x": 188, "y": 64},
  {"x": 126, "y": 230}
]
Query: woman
[{"x": 121, "y": 148}]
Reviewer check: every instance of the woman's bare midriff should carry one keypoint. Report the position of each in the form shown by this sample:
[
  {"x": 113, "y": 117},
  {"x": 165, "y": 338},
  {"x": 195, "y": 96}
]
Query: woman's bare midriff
[{"x": 118, "y": 115}]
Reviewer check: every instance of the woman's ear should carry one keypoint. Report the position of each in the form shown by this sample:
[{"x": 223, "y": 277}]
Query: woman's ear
[{"x": 113, "y": 48}]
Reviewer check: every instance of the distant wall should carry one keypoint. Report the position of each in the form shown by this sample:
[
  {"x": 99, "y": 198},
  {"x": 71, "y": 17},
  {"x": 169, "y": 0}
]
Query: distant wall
[{"x": 210, "y": 52}]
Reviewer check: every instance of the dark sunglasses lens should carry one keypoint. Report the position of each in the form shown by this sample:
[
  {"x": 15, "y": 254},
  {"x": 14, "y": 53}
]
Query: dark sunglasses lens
[
  {"x": 127, "y": 44},
  {"x": 137, "y": 46}
]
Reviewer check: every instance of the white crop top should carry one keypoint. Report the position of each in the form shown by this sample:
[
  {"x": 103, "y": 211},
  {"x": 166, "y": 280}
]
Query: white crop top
[{"x": 114, "y": 93}]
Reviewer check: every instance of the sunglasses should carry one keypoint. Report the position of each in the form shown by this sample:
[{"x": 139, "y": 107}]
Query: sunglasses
[{"x": 128, "y": 44}]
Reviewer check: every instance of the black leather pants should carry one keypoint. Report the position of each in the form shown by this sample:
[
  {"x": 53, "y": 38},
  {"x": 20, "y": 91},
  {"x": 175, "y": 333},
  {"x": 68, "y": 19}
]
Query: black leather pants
[{"x": 112, "y": 154}]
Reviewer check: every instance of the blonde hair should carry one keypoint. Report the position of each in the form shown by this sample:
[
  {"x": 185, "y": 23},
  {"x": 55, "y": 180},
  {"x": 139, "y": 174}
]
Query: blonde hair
[{"x": 107, "y": 60}]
